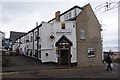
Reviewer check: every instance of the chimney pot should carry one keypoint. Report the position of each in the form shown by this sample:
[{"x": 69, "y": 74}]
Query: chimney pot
[
  {"x": 57, "y": 16},
  {"x": 36, "y": 24}
]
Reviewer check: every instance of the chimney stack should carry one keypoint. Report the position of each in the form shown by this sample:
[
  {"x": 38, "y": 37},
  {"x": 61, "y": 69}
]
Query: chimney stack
[
  {"x": 57, "y": 16},
  {"x": 36, "y": 24}
]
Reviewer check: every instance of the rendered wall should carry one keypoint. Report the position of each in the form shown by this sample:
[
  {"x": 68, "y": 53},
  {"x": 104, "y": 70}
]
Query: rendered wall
[{"x": 48, "y": 44}]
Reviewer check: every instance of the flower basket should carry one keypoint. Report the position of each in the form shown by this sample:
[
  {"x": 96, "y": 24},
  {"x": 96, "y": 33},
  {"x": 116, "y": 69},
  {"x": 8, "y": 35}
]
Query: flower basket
[{"x": 52, "y": 37}]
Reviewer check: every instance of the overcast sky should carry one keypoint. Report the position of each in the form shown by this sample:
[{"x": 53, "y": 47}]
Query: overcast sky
[{"x": 22, "y": 16}]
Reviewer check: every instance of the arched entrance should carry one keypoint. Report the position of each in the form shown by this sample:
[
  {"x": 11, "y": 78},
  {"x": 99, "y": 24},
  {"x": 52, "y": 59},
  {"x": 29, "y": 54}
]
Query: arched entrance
[{"x": 64, "y": 51}]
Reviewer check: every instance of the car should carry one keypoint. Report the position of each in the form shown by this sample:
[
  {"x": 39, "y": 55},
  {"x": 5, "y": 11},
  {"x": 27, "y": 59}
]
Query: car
[{"x": 4, "y": 51}]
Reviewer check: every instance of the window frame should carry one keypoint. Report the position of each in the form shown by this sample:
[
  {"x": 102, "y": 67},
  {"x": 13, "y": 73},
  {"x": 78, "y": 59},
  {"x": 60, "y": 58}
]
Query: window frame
[
  {"x": 31, "y": 37},
  {"x": 36, "y": 34},
  {"x": 82, "y": 34},
  {"x": 91, "y": 50},
  {"x": 63, "y": 26}
]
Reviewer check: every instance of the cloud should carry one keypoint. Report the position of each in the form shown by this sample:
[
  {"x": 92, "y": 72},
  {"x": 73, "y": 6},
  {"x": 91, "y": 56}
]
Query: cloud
[
  {"x": 13, "y": 10},
  {"x": 23, "y": 15},
  {"x": 109, "y": 21},
  {"x": 53, "y": 0}
]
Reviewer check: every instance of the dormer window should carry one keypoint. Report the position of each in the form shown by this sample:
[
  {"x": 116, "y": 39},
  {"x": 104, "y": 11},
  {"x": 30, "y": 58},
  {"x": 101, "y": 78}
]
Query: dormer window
[
  {"x": 69, "y": 14},
  {"x": 63, "y": 25}
]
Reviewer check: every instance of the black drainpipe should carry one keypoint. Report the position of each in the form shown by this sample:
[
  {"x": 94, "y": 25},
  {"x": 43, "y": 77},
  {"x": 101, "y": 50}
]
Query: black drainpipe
[
  {"x": 33, "y": 44},
  {"x": 37, "y": 42}
]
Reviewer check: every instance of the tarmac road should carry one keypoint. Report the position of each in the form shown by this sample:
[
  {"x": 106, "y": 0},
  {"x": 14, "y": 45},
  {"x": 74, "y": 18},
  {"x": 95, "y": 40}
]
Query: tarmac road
[{"x": 24, "y": 67}]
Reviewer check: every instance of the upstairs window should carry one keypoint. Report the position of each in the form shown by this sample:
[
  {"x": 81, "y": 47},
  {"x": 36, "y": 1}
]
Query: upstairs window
[
  {"x": 63, "y": 25},
  {"x": 35, "y": 35},
  {"x": 27, "y": 39},
  {"x": 31, "y": 38},
  {"x": 82, "y": 33},
  {"x": 70, "y": 15},
  {"x": 24, "y": 39},
  {"x": 66, "y": 16}
]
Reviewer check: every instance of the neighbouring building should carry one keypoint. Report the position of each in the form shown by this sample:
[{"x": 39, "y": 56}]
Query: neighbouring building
[
  {"x": 2, "y": 37},
  {"x": 7, "y": 43},
  {"x": 15, "y": 35},
  {"x": 71, "y": 37},
  {"x": 114, "y": 55}
]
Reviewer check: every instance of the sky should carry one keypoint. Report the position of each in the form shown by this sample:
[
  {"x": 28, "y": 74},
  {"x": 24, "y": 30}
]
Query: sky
[{"x": 22, "y": 15}]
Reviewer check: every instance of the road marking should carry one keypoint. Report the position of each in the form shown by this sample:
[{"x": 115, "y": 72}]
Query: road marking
[{"x": 9, "y": 73}]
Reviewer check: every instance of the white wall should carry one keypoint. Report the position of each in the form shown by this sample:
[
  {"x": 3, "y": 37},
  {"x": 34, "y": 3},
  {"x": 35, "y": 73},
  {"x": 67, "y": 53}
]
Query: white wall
[
  {"x": 22, "y": 46},
  {"x": 48, "y": 44},
  {"x": 54, "y": 28},
  {"x": 45, "y": 36},
  {"x": 16, "y": 44},
  {"x": 1, "y": 37},
  {"x": 47, "y": 29},
  {"x": 51, "y": 56},
  {"x": 78, "y": 11},
  {"x": 71, "y": 36},
  {"x": 0, "y": 41},
  {"x": 35, "y": 42}
]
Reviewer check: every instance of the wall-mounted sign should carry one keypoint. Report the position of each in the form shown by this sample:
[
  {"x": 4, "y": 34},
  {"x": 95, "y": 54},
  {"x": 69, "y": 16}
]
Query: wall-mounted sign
[{"x": 64, "y": 31}]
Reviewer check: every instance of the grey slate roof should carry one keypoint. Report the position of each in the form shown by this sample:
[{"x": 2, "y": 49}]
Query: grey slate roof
[{"x": 15, "y": 35}]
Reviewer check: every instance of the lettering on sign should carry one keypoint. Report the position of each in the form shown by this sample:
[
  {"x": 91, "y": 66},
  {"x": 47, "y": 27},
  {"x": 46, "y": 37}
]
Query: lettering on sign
[{"x": 65, "y": 31}]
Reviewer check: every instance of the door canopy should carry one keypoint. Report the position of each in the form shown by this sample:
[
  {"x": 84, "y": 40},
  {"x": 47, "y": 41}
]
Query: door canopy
[{"x": 63, "y": 41}]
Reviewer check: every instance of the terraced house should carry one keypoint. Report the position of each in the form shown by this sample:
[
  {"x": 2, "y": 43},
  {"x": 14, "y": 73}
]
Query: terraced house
[{"x": 71, "y": 37}]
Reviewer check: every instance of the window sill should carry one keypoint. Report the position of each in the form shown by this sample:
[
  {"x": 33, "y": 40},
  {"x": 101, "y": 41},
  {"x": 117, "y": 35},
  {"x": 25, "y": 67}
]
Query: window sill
[{"x": 91, "y": 56}]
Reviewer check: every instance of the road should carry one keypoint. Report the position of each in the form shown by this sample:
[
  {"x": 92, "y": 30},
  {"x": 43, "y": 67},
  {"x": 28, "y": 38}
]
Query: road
[{"x": 24, "y": 67}]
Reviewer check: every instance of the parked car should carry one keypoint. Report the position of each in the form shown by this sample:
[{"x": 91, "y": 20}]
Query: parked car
[{"x": 4, "y": 51}]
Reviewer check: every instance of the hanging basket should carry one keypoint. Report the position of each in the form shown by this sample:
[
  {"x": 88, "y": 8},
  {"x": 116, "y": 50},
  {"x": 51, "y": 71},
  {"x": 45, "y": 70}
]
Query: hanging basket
[
  {"x": 37, "y": 38},
  {"x": 27, "y": 40},
  {"x": 52, "y": 37}
]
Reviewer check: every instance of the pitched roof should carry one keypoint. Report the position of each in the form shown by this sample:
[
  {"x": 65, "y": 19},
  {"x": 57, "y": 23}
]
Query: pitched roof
[
  {"x": 1, "y": 32},
  {"x": 14, "y": 35},
  {"x": 50, "y": 20},
  {"x": 63, "y": 39},
  {"x": 67, "y": 11}
]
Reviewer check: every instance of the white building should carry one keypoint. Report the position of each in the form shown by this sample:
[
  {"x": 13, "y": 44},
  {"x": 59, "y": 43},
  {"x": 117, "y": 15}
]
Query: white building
[
  {"x": 68, "y": 38},
  {"x": 2, "y": 36}
]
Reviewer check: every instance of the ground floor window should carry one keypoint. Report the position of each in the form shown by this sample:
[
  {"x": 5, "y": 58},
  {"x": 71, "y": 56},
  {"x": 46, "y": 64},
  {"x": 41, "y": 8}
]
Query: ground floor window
[
  {"x": 39, "y": 53},
  {"x": 91, "y": 52},
  {"x": 31, "y": 52}
]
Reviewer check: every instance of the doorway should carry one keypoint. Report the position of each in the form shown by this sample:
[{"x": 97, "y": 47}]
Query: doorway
[
  {"x": 64, "y": 56},
  {"x": 63, "y": 50}
]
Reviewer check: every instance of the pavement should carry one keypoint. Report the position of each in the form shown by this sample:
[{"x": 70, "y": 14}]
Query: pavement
[{"x": 25, "y": 67}]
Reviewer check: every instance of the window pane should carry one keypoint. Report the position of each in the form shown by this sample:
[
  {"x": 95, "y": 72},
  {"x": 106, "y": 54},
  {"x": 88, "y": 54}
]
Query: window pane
[
  {"x": 91, "y": 52},
  {"x": 82, "y": 34}
]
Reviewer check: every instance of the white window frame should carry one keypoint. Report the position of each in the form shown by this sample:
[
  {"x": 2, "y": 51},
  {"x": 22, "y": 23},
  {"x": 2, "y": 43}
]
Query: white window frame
[
  {"x": 89, "y": 50},
  {"x": 35, "y": 36},
  {"x": 70, "y": 14},
  {"x": 82, "y": 34}
]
